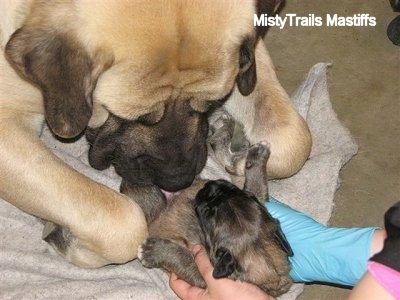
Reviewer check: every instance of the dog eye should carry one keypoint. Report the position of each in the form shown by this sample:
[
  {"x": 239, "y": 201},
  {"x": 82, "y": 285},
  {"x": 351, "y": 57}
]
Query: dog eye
[
  {"x": 153, "y": 117},
  {"x": 200, "y": 106},
  {"x": 207, "y": 106}
]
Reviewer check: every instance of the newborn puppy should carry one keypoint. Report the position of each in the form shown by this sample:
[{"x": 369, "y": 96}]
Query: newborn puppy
[{"x": 243, "y": 241}]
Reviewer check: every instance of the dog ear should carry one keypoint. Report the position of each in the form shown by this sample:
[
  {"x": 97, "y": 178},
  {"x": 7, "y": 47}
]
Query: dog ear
[
  {"x": 269, "y": 7},
  {"x": 60, "y": 66},
  {"x": 225, "y": 264},
  {"x": 247, "y": 78}
]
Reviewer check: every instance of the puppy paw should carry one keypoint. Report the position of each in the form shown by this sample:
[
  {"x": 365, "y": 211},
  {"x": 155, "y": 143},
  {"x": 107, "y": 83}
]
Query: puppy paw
[
  {"x": 221, "y": 118},
  {"x": 149, "y": 253},
  {"x": 58, "y": 237},
  {"x": 222, "y": 127},
  {"x": 257, "y": 154},
  {"x": 236, "y": 164}
]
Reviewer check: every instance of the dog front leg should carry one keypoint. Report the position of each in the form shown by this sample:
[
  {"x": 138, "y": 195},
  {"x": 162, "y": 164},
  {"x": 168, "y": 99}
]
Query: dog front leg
[
  {"x": 104, "y": 226},
  {"x": 256, "y": 180}
]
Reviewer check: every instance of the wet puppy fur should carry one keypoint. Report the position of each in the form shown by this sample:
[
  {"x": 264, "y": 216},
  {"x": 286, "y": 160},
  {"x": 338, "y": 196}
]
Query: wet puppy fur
[{"x": 242, "y": 239}]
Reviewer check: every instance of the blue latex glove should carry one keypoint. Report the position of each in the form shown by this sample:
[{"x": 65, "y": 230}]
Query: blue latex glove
[{"x": 322, "y": 253}]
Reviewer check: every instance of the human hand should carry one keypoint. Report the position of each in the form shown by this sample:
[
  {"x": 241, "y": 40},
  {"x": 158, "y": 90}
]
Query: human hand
[{"x": 218, "y": 289}]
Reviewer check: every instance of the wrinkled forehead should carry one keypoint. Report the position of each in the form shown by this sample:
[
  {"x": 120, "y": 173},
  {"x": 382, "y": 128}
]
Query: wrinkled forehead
[
  {"x": 186, "y": 24},
  {"x": 170, "y": 49}
]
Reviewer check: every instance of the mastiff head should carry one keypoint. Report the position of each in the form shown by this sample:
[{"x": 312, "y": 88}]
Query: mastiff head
[
  {"x": 139, "y": 60},
  {"x": 166, "y": 148}
]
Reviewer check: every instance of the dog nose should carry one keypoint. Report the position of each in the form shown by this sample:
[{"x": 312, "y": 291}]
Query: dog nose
[
  {"x": 169, "y": 175},
  {"x": 174, "y": 183},
  {"x": 172, "y": 172}
]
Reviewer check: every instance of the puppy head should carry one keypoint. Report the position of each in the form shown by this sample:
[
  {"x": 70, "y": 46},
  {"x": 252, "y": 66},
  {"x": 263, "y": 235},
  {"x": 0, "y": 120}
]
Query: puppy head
[
  {"x": 243, "y": 240},
  {"x": 166, "y": 149},
  {"x": 226, "y": 215}
]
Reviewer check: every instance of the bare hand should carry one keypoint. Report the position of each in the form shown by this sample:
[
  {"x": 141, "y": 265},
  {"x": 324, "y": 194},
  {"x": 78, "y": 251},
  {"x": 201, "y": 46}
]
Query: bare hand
[{"x": 220, "y": 289}]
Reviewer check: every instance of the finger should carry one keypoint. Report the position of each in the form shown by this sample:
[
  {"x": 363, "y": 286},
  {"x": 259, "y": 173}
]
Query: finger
[
  {"x": 203, "y": 262},
  {"x": 179, "y": 286},
  {"x": 183, "y": 289}
]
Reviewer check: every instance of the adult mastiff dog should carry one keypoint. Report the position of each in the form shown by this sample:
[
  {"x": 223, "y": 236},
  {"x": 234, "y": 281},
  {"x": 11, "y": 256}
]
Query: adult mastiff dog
[{"x": 72, "y": 63}]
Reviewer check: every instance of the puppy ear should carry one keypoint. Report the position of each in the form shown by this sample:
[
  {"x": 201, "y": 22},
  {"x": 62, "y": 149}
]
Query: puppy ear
[
  {"x": 225, "y": 264},
  {"x": 60, "y": 66},
  {"x": 280, "y": 238},
  {"x": 247, "y": 77}
]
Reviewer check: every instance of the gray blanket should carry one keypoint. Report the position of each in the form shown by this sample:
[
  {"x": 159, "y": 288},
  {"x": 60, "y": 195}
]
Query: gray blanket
[{"x": 30, "y": 270}]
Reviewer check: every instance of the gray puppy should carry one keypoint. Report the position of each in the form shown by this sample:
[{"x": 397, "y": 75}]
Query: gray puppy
[{"x": 243, "y": 241}]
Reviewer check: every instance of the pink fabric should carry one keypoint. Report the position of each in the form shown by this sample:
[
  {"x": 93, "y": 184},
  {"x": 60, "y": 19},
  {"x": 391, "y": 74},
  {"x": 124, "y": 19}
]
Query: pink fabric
[{"x": 387, "y": 277}]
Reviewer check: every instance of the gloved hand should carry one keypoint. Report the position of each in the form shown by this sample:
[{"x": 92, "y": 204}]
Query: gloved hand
[{"x": 322, "y": 253}]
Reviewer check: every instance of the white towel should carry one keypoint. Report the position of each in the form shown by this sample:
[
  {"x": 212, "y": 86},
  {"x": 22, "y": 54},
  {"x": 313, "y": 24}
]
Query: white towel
[{"x": 29, "y": 270}]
